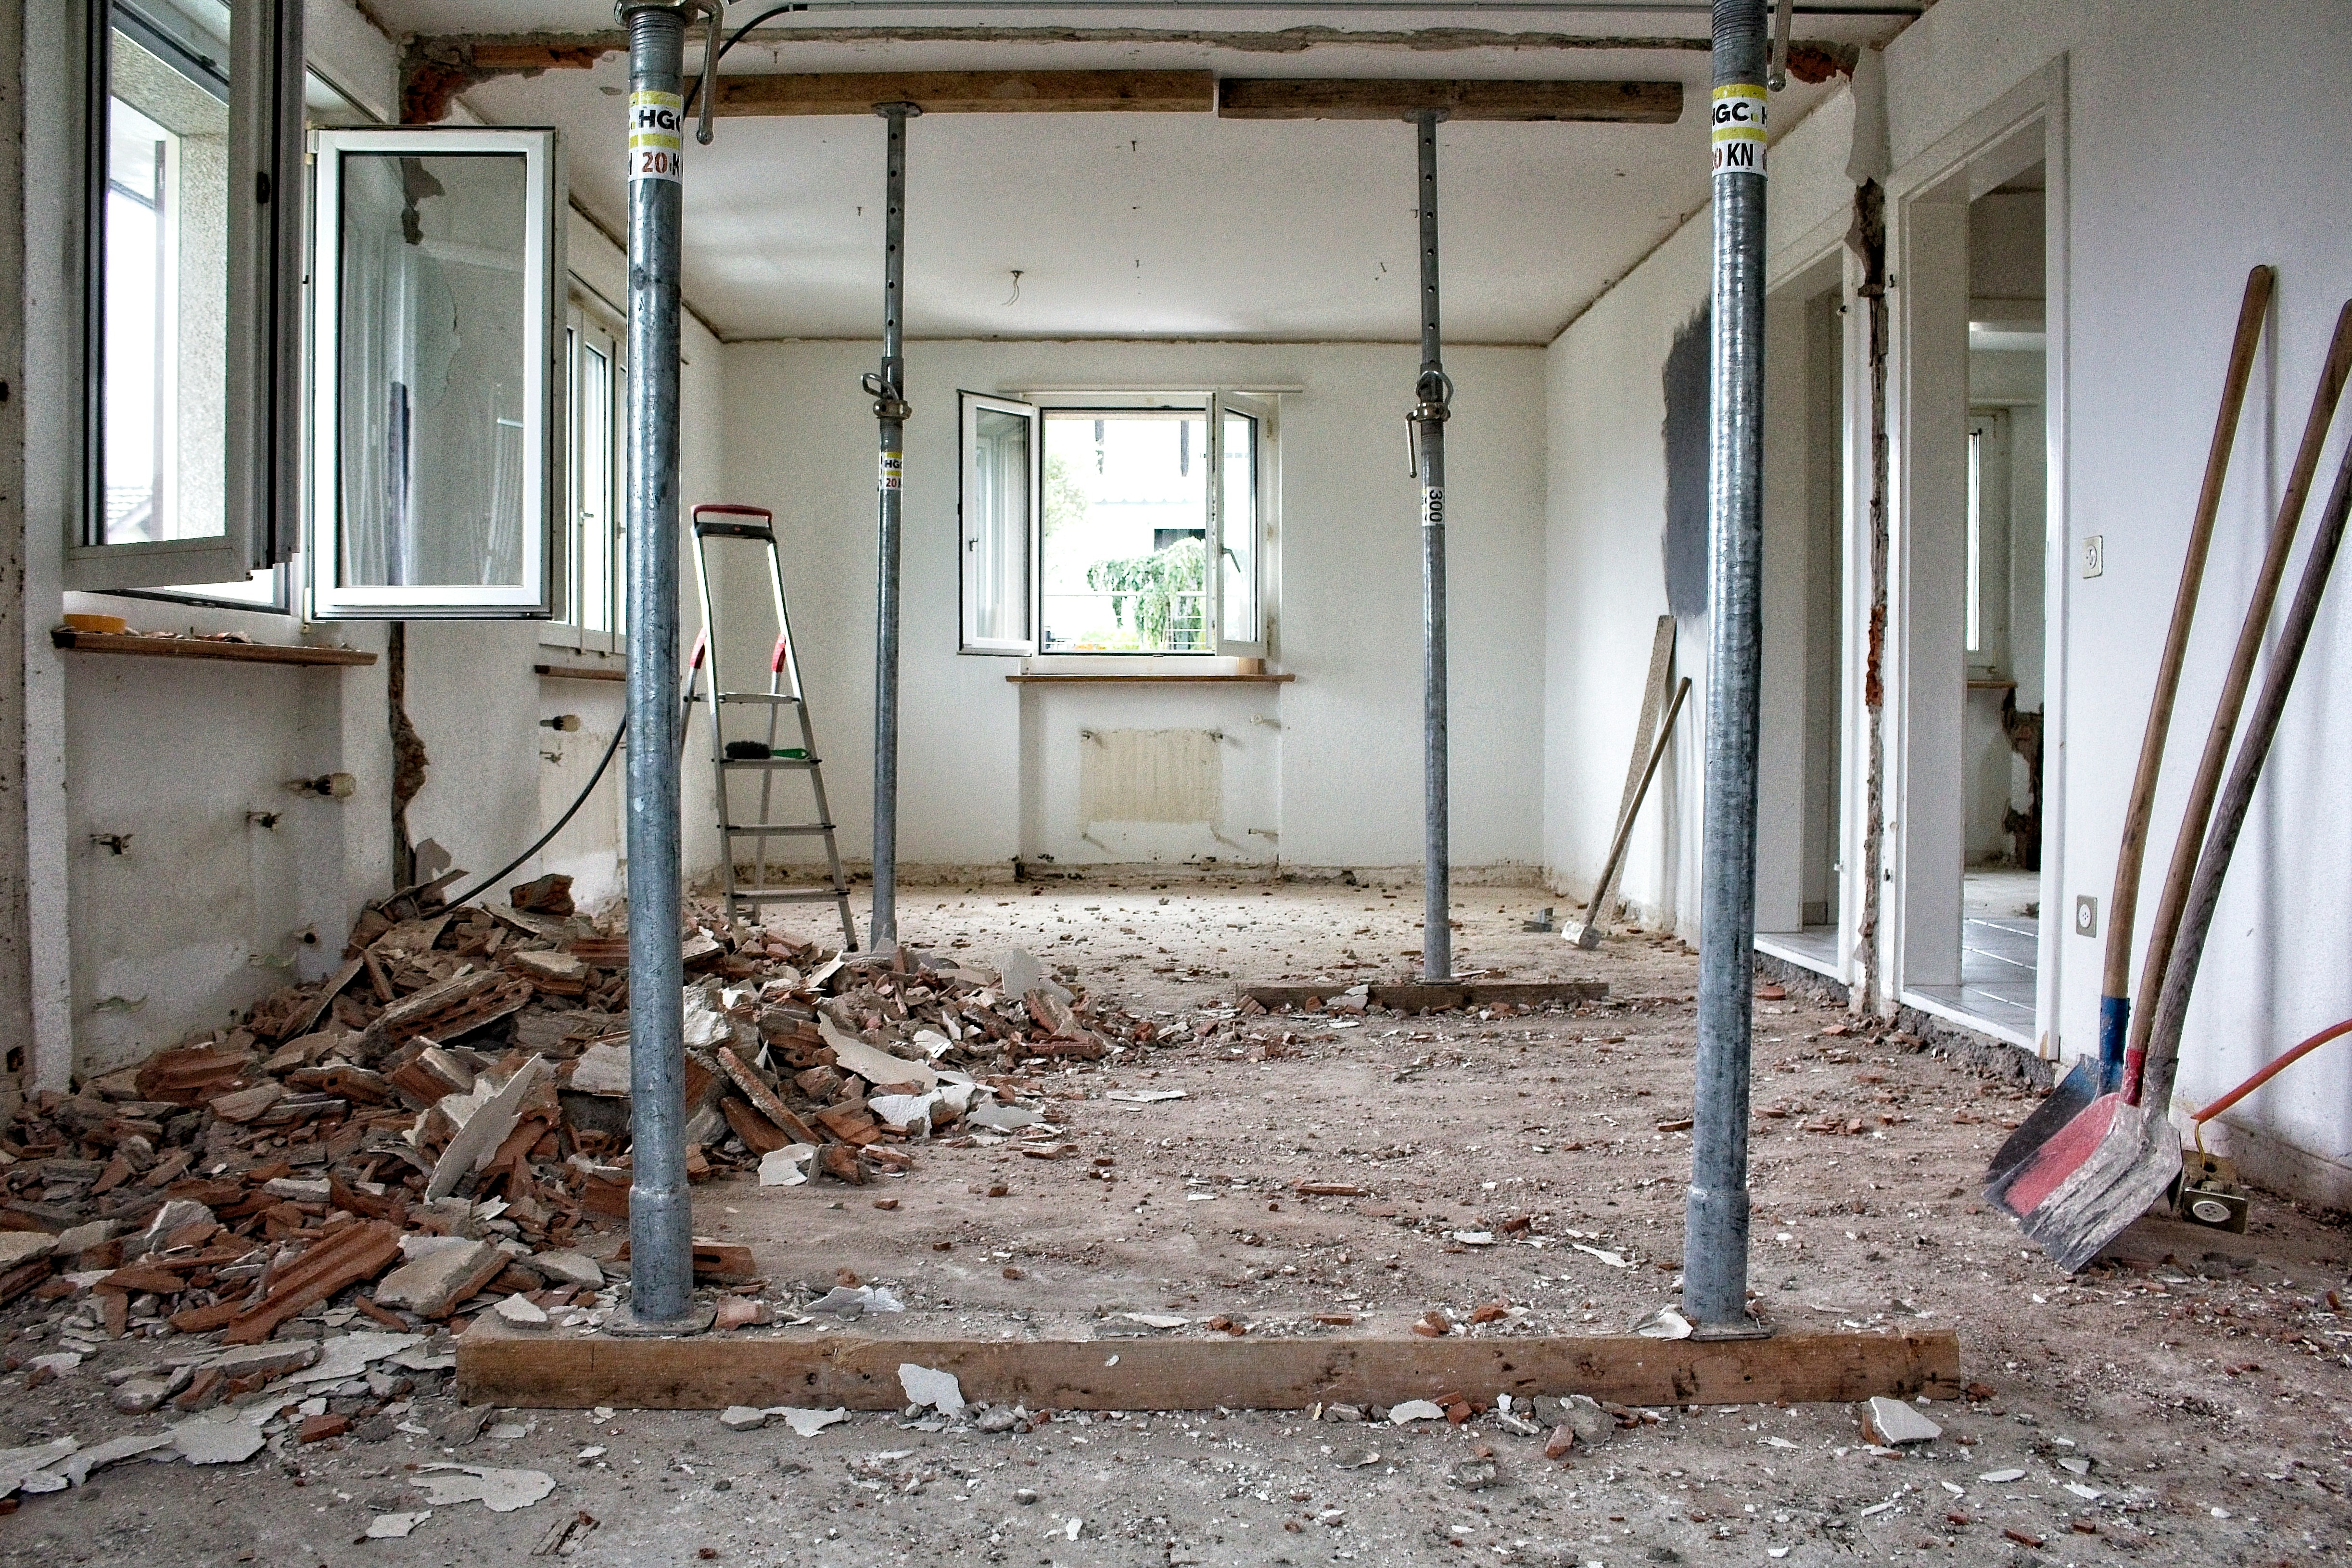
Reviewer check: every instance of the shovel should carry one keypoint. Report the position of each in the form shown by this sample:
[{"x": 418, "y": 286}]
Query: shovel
[
  {"x": 2140, "y": 1156},
  {"x": 2034, "y": 1172},
  {"x": 2087, "y": 1079}
]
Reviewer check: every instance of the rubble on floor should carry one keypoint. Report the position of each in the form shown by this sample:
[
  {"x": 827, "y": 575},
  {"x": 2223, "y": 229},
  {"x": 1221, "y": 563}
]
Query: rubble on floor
[{"x": 441, "y": 1128}]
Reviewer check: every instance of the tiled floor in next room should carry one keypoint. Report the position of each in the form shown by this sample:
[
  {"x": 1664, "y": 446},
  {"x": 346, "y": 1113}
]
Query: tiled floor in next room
[{"x": 2000, "y": 935}]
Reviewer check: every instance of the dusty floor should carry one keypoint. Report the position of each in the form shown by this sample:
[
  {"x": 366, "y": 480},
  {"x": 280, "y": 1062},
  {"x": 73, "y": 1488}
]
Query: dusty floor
[{"x": 2197, "y": 1407}]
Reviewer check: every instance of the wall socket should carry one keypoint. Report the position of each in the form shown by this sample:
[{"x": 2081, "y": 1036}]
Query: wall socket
[
  {"x": 2087, "y": 915},
  {"x": 2095, "y": 555}
]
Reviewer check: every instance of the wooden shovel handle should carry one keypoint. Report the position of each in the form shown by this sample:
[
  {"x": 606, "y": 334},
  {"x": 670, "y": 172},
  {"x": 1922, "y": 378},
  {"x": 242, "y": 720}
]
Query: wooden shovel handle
[
  {"x": 2252, "y": 311},
  {"x": 2190, "y": 838},
  {"x": 2230, "y": 811}
]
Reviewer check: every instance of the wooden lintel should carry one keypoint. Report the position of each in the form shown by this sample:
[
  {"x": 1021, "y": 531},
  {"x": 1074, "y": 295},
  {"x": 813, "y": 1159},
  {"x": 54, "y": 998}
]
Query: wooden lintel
[
  {"x": 506, "y": 57},
  {"x": 507, "y": 1366},
  {"x": 1260, "y": 679},
  {"x": 972, "y": 92},
  {"x": 1421, "y": 996},
  {"x": 1623, "y": 102}
]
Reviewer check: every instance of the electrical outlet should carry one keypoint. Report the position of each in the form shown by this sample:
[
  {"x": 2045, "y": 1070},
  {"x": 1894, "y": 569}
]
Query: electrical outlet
[
  {"x": 2095, "y": 555},
  {"x": 2086, "y": 916}
]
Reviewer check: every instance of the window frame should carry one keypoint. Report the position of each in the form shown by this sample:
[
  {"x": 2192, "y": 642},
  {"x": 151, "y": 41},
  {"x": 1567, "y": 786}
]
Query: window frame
[
  {"x": 1266, "y": 411},
  {"x": 970, "y": 599},
  {"x": 588, "y": 314},
  {"x": 262, "y": 434},
  {"x": 545, "y": 432}
]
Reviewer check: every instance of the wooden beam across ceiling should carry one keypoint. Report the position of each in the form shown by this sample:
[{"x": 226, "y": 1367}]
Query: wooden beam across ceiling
[
  {"x": 1621, "y": 102},
  {"x": 972, "y": 92}
]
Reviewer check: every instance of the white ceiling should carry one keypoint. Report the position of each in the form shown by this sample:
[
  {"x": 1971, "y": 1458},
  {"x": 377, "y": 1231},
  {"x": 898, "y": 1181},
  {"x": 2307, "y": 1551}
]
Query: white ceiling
[{"x": 1158, "y": 226}]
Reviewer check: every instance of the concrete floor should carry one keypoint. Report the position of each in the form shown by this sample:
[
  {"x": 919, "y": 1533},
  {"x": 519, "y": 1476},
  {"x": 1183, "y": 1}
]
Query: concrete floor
[{"x": 2208, "y": 1385}]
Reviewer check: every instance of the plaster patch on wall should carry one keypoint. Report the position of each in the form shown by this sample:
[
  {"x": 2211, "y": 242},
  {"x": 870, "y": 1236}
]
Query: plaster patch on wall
[
  {"x": 1683, "y": 541},
  {"x": 1149, "y": 775}
]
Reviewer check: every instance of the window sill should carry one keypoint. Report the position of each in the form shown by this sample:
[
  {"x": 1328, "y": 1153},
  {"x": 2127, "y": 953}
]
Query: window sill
[
  {"x": 581, "y": 672},
  {"x": 177, "y": 646},
  {"x": 1149, "y": 679}
]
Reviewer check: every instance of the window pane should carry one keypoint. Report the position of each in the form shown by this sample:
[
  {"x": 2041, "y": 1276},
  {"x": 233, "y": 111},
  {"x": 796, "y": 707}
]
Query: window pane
[
  {"x": 1238, "y": 522},
  {"x": 166, "y": 247},
  {"x": 1127, "y": 497},
  {"x": 593, "y": 470},
  {"x": 435, "y": 359},
  {"x": 996, "y": 543}
]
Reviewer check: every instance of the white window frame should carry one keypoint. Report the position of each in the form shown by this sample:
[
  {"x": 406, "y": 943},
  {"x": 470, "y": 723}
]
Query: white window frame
[
  {"x": 585, "y": 322},
  {"x": 1266, "y": 411},
  {"x": 262, "y": 428},
  {"x": 972, "y": 590},
  {"x": 1260, "y": 402},
  {"x": 542, "y": 463}
]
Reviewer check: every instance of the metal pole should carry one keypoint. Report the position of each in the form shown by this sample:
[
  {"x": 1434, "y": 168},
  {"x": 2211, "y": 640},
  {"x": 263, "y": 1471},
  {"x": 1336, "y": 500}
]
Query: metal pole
[
  {"x": 661, "y": 1228},
  {"x": 1715, "y": 1241},
  {"x": 1433, "y": 398},
  {"x": 890, "y": 411}
]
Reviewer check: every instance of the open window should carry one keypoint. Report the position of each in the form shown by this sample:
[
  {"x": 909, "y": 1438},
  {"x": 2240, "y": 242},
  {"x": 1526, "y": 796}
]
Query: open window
[
  {"x": 1242, "y": 457},
  {"x": 592, "y": 599},
  {"x": 1116, "y": 524},
  {"x": 191, "y": 292},
  {"x": 438, "y": 374},
  {"x": 997, "y": 505}
]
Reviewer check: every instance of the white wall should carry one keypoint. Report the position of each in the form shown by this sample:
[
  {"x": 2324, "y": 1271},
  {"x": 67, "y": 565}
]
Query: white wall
[
  {"x": 2184, "y": 156},
  {"x": 988, "y": 769},
  {"x": 1605, "y": 588}
]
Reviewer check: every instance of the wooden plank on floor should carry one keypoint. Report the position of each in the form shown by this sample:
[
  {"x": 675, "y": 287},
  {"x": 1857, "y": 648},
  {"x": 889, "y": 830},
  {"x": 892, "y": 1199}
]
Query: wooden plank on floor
[
  {"x": 1418, "y": 996},
  {"x": 1601, "y": 909},
  {"x": 1625, "y": 102},
  {"x": 972, "y": 92},
  {"x": 543, "y": 1371}
]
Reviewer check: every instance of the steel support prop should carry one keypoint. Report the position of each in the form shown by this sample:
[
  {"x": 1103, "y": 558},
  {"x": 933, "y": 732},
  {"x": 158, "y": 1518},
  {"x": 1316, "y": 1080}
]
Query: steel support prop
[
  {"x": 1432, "y": 400},
  {"x": 888, "y": 389},
  {"x": 1714, "y": 1239},
  {"x": 661, "y": 1225}
]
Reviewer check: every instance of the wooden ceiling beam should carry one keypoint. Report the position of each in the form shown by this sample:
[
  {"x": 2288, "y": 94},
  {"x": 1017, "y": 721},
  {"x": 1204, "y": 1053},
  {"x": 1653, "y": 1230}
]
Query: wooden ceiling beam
[
  {"x": 1620, "y": 102},
  {"x": 972, "y": 92}
]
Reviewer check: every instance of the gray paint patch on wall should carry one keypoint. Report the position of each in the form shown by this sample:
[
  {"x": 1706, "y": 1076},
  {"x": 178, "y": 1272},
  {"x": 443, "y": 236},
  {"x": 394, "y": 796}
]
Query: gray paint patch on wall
[{"x": 1683, "y": 541}]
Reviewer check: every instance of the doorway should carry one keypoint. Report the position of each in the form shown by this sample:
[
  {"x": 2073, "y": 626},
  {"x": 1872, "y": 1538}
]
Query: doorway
[
  {"x": 1976, "y": 827},
  {"x": 1799, "y": 797}
]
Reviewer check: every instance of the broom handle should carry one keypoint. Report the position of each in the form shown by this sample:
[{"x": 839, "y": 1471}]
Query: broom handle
[
  {"x": 2156, "y": 968},
  {"x": 2238, "y": 797},
  {"x": 2114, "y": 989}
]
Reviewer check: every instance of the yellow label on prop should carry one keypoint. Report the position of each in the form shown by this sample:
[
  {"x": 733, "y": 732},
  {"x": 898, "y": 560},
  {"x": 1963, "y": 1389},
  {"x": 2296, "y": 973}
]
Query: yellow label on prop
[
  {"x": 892, "y": 462},
  {"x": 1739, "y": 128},
  {"x": 657, "y": 147}
]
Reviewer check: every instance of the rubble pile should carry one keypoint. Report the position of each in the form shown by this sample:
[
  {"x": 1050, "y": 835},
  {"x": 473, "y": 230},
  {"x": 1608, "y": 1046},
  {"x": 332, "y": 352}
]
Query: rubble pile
[{"x": 446, "y": 1117}]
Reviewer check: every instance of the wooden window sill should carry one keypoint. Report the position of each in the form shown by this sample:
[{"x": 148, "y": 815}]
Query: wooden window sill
[
  {"x": 205, "y": 647},
  {"x": 1151, "y": 679},
  {"x": 581, "y": 672}
]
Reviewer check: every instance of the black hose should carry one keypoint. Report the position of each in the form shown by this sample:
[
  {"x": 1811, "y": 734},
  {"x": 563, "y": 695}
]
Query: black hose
[
  {"x": 771, "y": 12},
  {"x": 486, "y": 883}
]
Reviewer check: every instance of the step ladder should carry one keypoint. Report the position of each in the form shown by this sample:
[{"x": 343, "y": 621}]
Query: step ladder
[{"x": 736, "y": 760}]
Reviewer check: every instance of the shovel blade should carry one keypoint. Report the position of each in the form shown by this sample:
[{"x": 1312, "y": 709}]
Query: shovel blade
[
  {"x": 2133, "y": 1167},
  {"x": 2027, "y": 1184},
  {"x": 2061, "y": 1105}
]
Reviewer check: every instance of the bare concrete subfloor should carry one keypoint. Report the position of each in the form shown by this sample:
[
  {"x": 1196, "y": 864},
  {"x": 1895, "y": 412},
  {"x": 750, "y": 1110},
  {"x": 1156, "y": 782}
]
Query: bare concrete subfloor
[{"x": 2210, "y": 1394}]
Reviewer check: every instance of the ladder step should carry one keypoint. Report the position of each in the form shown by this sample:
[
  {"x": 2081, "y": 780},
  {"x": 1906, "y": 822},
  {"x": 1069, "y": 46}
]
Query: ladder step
[
  {"x": 758, "y": 697},
  {"x": 769, "y": 762},
  {"x": 790, "y": 895},
  {"x": 805, "y": 829}
]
